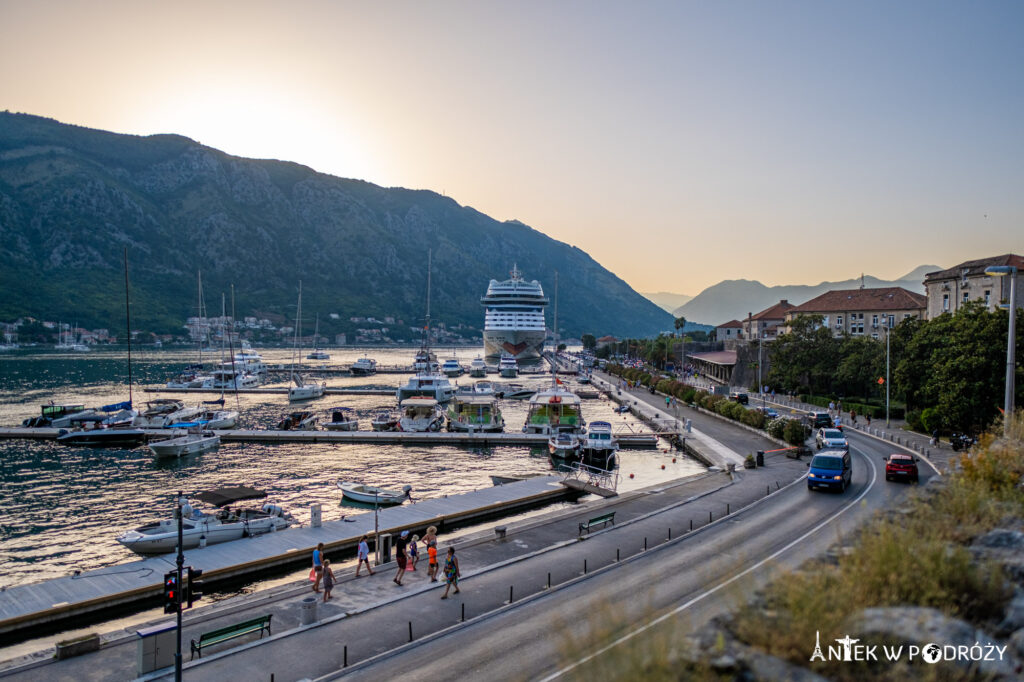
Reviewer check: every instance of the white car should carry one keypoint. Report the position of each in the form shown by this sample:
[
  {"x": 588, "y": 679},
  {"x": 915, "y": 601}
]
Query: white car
[{"x": 831, "y": 438}]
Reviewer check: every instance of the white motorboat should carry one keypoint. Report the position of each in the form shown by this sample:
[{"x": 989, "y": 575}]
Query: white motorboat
[
  {"x": 478, "y": 368},
  {"x": 451, "y": 368},
  {"x": 554, "y": 409},
  {"x": 420, "y": 414},
  {"x": 217, "y": 418},
  {"x": 426, "y": 384},
  {"x": 233, "y": 375},
  {"x": 191, "y": 443},
  {"x": 508, "y": 367},
  {"x": 515, "y": 392},
  {"x": 316, "y": 353},
  {"x": 302, "y": 420},
  {"x": 200, "y": 528},
  {"x": 369, "y": 494},
  {"x": 103, "y": 436},
  {"x": 483, "y": 388},
  {"x": 564, "y": 445},
  {"x": 384, "y": 421},
  {"x": 475, "y": 413},
  {"x": 363, "y": 367},
  {"x": 342, "y": 419},
  {"x": 583, "y": 377},
  {"x": 600, "y": 446},
  {"x": 57, "y": 415},
  {"x": 191, "y": 377},
  {"x": 165, "y": 413}
]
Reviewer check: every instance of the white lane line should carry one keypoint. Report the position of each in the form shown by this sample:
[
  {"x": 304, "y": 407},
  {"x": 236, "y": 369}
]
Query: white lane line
[{"x": 716, "y": 588}]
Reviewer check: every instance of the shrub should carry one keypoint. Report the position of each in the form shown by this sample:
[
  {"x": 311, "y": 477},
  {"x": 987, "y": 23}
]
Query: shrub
[
  {"x": 688, "y": 394},
  {"x": 794, "y": 432},
  {"x": 776, "y": 426},
  {"x": 753, "y": 418},
  {"x": 931, "y": 419}
]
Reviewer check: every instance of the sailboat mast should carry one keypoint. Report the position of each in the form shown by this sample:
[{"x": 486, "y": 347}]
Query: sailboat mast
[
  {"x": 554, "y": 355},
  {"x": 128, "y": 324},
  {"x": 298, "y": 323},
  {"x": 430, "y": 255}
]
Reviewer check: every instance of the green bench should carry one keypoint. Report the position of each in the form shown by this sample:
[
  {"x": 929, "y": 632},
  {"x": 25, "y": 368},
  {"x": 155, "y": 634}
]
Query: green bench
[
  {"x": 230, "y": 632},
  {"x": 603, "y": 519}
]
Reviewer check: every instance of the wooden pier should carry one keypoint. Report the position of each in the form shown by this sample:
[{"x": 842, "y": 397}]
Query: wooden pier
[
  {"x": 270, "y": 390},
  {"x": 62, "y": 599}
]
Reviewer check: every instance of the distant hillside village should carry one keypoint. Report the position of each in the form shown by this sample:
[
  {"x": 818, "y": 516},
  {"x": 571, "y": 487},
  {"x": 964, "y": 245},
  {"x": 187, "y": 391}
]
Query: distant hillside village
[{"x": 215, "y": 330}]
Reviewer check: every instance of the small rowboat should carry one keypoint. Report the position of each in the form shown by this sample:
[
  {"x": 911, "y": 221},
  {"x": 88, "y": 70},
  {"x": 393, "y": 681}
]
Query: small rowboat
[{"x": 369, "y": 494}]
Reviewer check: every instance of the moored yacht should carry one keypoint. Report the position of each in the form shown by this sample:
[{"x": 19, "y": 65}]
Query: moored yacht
[
  {"x": 305, "y": 390},
  {"x": 191, "y": 443},
  {"x": 363, "y": 367},
  {"x": 302, "y": 420},
  {"x": 554, "y": 409},
  {"x": 200, "y": 528},
  {"x": 478, "y": 368},
  {"x": 600, "y": 445},
  {"x": 384, "y": 420},
  {"x": 508, "y": 367},
  {"x": 427, "y": 384},
  {"x": 341, "y": 419},
  {"x": 564, "y": 445},
  {"x": 452, "y": 368},
  {"x": 420, "y": 414}
]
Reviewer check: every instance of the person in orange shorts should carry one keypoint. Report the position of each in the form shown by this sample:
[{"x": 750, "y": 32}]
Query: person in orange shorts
[{"x": 430, "y": 540}]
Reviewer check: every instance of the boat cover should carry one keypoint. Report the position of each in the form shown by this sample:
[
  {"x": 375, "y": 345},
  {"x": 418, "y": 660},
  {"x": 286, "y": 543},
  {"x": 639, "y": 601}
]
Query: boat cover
[
  {"x": 116, "y": 407},
  {"x": 223, "y": 496}
]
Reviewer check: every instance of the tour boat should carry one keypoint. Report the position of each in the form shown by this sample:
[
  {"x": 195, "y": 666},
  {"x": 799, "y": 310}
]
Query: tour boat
[
  {"x": 475, "y": 413},
  {"x": 554, "y": 409},
  {"x": 452, "y": 368},
  {"x": 508, "y": 367}
]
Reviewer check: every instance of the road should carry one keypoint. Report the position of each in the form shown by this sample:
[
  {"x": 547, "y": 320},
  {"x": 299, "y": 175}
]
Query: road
[{"x": 679, "y": 584}]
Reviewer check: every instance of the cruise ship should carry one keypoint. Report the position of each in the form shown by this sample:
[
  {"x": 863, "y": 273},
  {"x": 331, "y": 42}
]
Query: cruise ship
[{"x": 514, "y": 319}]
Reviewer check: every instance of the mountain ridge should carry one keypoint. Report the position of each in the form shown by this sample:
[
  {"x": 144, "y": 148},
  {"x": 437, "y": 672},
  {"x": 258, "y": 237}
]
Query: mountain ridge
[
  {"x": 71, "y": 198},
  {"x": 734, "y": 299}
]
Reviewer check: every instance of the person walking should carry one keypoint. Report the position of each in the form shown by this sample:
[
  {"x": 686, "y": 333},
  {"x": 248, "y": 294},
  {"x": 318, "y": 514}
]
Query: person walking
[
  {"x": 328, "y": 579},
  {"x": 430, "y": 541},
  {"x": 318, "y": 566},
  {"x": 853, "y": 417},
  {"x": 414, "y": 551},
  {"x": 400, "y": 556},
  {"x": 363, "y": 553},
  {"x": 451, "y": 572}
]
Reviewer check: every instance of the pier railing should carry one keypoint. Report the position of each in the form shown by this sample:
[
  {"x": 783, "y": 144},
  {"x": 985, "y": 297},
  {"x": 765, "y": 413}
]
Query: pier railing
[{"x": 590, "y": 475}]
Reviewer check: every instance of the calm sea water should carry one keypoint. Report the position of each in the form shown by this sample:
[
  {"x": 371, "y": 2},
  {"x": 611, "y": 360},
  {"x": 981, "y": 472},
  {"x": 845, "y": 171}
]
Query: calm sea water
[{"x": 63, "y": 506}]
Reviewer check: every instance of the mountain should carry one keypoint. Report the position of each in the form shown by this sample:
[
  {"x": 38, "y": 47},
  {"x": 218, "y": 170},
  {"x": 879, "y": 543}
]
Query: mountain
[
  {"x": 667, "y": 301},
  {"x": 733, "y": 299},
  {"x": 72, "y": 198}
]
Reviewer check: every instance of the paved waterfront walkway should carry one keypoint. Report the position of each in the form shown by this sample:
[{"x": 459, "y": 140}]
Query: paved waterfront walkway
[{"x": 370, "y": 615}]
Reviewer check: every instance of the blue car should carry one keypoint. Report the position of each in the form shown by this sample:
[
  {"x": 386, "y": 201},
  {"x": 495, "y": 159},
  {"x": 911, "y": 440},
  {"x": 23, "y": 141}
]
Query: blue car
[{"x": 831, "y": 470}]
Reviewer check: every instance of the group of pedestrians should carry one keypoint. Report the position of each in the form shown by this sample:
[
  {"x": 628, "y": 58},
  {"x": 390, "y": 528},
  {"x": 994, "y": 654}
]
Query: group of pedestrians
[{"x": 406, "y": 557}]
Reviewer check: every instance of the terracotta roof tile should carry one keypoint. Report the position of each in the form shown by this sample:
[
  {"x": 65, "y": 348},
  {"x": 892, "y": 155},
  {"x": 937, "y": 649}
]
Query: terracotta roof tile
[
  {"x": 720, "y": 357},
  {"x": 730, "y": 324},
  {"x": 776, "y": 312},
  {"x": 886, "y": 298}
]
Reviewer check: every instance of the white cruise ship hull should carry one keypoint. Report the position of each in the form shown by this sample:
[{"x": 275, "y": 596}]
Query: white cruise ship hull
[{"x": 522, "y": 345}]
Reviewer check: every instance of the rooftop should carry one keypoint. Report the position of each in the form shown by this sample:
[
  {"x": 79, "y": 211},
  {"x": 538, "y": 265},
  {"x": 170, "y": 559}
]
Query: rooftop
[
  {"x": 886, "y": 298},
  {"x": 975, "y": 267},
  {"x": 730, "y": 324},
  {"x": 776, "y": 312},
  {"x": 720, "y": 357}
]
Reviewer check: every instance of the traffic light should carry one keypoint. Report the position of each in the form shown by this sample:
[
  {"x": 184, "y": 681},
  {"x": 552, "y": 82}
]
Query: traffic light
[
  {"x": 194, "y": 589},
  {"x": 171, "y": 592}
]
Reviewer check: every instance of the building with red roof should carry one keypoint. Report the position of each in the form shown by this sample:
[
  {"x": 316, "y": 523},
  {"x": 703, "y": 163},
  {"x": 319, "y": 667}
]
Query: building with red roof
[{"x": 862, "y": 312}]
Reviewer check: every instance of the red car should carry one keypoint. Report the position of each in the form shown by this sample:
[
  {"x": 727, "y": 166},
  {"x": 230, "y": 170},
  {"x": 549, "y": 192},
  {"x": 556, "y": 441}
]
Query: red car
[{"x": 900, "y": 467}]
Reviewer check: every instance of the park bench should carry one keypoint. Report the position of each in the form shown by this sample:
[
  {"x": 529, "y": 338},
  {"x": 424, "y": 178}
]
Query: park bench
[
  {"x": 603, "y": 519},
  {"x": 230, "y": 632}
]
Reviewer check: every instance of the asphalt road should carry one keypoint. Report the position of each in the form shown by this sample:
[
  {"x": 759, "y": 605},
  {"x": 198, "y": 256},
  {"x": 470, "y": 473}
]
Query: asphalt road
[{"x": 676, "y": 586}]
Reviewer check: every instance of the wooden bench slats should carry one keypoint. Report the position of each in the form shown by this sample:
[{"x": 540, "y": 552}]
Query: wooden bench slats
[{"x": 603, "y": 519}]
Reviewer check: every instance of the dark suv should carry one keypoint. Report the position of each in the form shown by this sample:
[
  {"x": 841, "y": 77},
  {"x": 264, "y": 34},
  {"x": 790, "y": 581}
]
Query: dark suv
[
  {"x": 818, "y": 420},
  {"x": 741, "y": 398}
]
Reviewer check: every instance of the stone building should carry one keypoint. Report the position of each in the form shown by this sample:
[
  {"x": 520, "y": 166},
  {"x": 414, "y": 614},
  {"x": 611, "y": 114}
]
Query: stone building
[
  {"x": 733, "y": 329},
  {"x": 766, "y": 323},
  {"x": 949, "y": 289},
  {"x": 862, "y": 312}
]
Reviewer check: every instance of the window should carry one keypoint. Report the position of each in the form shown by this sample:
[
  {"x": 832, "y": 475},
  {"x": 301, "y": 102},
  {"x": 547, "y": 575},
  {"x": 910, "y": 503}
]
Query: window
[
  {"x": 892, "y": 319},
  {"x": 860, "y": 316},
  {"x": 988, "y": 295},
  {"x": 945, "y": 301},
  {"x": 874, "y": 320},
  {"x": 874, "y": 336},
  {"x": 839, "y": 320},
  {"x": 967, "y": 296}
]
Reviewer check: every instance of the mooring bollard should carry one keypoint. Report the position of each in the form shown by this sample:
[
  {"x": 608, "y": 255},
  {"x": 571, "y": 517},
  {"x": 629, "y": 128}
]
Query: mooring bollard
[
  {"x": 645, "y": 544},
  {"x": 691, "y": 525},
  {"x": 616, "y": 555},
  {"x": 344, "y": 657},
  {"x": 584, "y": 567},
  {"x": 727, "y": 511},
  {"x": 670, "y": 532},
  {"x": 410, "y": 630},
  {"x": 549, "y": 581},
  {"x": 510, "y": 594},
  {"x": 710, "y": 517}
]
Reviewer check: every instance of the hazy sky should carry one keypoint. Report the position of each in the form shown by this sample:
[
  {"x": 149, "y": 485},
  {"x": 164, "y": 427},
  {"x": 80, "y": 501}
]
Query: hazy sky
[{"x": 679, "y": 143}]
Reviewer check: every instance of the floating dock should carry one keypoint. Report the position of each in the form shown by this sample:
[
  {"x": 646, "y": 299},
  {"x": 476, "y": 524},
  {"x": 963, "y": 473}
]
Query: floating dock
[
  {"x": 270, "y": 390},
  {"x": 60, "y": 599}
]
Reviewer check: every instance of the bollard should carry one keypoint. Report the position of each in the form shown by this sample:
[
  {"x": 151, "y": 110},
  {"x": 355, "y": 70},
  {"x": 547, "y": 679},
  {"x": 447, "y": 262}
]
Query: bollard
[
  {"x": 584, "y": 567},
  {"x": 727, "y": 511},
  {"x": 691, "y": 525},
  {"x": 710, "y": 517},
  {"x": 645, "y": 544},
  {"x": 410, "y": 630},
  {"x": 344, "y": 657},
  {"x": 670, "y": 532},
  {"x": 463, "y": 612},
  {"x": 616, "y": 554},
  {"x": 767, "y": 490},
  {"x": 510, "y": 594},
  {"x": 927, "y": 453},
  {"x": 549, "y": 581},
  {"x": 777, "y": 485}
]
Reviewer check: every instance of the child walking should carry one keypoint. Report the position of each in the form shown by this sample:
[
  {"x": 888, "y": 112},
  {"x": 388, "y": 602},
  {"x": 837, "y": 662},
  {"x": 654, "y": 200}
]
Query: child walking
[
  {"x": 414, "y": 552},
  {"x": 328, "y": 579}
]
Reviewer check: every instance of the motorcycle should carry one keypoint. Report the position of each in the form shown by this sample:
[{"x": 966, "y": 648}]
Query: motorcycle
[{"x": 961, "y": 441}]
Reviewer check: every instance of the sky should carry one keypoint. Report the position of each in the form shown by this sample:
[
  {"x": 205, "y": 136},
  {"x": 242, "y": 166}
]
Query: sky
[{"x": 678, "y": 143}]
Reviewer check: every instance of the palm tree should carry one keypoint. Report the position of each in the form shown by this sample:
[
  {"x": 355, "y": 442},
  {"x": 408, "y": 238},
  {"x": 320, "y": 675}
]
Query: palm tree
[{"x": 680, "y": 323}]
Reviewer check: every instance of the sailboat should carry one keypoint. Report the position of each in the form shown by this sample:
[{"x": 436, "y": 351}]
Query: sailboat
[
  {"x": 317, "y": 354},
  {"x": 301, "y": 390},
  {"x": 428, "y": 380},
  {"x": 115, "y": 430}
]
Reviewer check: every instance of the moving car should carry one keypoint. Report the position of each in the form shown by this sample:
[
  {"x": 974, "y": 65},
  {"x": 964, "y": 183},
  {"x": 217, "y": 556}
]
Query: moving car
[
  {"x": 900, "y": 467},
  {"x": 831, "y": 438},
  {"x": 831, "y": 469},
  {"x": 741, "y": 398},
  {"x": 819, "y": 419}
]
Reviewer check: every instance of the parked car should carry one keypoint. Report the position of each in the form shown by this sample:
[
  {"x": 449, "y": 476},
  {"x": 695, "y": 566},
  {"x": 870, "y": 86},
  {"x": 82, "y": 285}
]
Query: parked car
[
  {"x": 741, "y": 398},
  {"x": 832, "y": 469},
  {"x": 768, "y": 412},
  {"x": 900, "y": 467},
  {"x": 831, "y": 438}
]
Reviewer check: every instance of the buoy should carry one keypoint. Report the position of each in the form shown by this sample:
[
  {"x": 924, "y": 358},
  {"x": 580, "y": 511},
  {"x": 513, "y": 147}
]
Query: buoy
[
  {"x": 673, "y": 460},
  {"x": 631, "y": 475},
  {"x": 662, "y": 466}
]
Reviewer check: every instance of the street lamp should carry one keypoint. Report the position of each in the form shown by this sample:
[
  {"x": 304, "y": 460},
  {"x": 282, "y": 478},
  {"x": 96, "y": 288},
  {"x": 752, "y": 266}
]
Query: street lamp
[{"x": 1011, "y": 340}]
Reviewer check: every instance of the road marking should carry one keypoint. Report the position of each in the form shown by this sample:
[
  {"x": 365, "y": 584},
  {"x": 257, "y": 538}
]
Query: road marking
[{"x": 716, "y": 588}]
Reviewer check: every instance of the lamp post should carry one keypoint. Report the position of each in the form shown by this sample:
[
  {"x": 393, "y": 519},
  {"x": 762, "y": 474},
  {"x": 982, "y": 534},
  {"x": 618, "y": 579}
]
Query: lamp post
[
  {"x": 888, "y": 332},
  {"x": 1011, "y": 340}
]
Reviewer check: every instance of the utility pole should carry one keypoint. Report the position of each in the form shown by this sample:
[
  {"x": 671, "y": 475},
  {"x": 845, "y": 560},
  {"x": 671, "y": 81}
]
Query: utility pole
[
  {"x": 181, "y": 564},
  {"x": 888, "y": 331}
]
